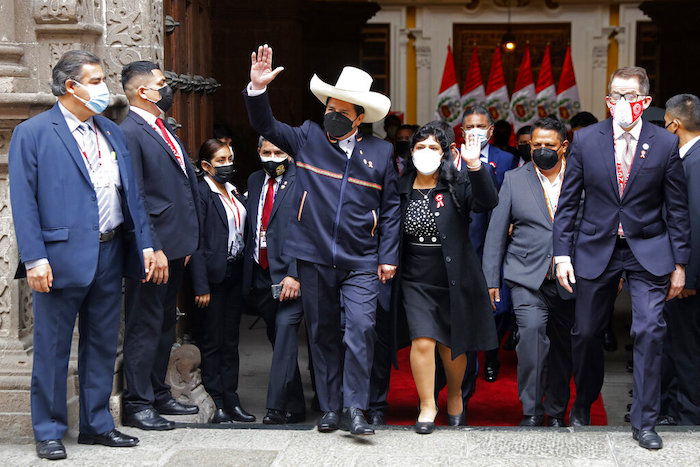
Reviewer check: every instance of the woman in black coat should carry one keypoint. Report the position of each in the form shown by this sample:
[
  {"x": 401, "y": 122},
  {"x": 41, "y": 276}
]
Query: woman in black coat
[
  {"x": 439, "y": 288},
  {"x": 216, "y": 268}
]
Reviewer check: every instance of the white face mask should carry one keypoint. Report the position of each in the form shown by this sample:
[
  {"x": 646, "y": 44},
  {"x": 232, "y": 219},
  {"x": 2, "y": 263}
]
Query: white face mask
[
  {"x": 480, "y": 135},
  {"x": 426, "y": 160},
  {"x": 99, "y": 96}
]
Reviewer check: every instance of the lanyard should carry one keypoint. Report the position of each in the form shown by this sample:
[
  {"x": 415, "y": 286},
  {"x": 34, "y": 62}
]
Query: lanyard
[
  {"x": 549, "y": 204},
  {"x": 99, "y": 152},
  {"x": 231, "y": 203}
]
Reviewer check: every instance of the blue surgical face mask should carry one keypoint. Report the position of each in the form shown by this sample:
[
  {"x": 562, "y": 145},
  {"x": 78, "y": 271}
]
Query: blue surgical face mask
[{"x": 99, "y": 96}]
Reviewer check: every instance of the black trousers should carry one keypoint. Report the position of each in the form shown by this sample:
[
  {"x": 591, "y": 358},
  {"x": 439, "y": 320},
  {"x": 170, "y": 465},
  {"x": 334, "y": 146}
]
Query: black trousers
[
  {"x": 544, "y": 349},
  {"x": 342, "y": 362},
  {"x": 285, "y": 391},
  {"x": 381, "y": 364},
  {"x": 680, "y": 387},
  {"x": 220, "y": 336},
  {"x": 594, "y": 300},
  {"x": 148, "y": 337}
]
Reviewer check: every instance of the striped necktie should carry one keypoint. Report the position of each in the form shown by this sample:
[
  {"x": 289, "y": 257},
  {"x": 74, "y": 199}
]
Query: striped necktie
[{"x": 91, "y": 152}]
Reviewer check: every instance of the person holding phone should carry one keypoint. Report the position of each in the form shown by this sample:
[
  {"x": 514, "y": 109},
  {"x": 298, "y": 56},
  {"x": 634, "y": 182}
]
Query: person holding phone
[
  {"x": 270, "y": 278},
  {"x": 216, "y": 269}
]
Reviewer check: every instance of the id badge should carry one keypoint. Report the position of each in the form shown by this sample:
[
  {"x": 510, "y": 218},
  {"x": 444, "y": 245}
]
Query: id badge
[
  {"x": 102, "y": 179},
  {"x": 263, "y": 239}
]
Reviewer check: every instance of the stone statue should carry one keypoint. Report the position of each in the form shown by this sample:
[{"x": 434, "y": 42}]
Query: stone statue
[{"x": 185, "y": 380}]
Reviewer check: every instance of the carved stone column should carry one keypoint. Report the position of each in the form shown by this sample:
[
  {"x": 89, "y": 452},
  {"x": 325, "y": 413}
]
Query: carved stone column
[{"x": 424, "y": 111}]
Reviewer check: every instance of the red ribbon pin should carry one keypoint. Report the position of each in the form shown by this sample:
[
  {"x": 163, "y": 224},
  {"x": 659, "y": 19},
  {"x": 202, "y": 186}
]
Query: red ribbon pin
[{"x": 439, "y": 201}]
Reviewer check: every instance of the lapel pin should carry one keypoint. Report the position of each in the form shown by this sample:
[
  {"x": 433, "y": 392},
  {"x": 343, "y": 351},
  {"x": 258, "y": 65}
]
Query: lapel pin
[
  {"x": 110, "y": 134},
  {"x": 645, "y": 146},
  {"x": 361, "y": 152},
  {"x": 438, "y": 201},
  {"x": 371, "y": 166},
  {"x": 364, "y": 161},
  {"x": 643, "y": 155}
]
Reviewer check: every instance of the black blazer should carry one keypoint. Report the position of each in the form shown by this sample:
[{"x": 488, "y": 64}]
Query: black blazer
[
  {"x": 208, "y": 262},
  {"x": 691, "y": 166},
  {"x": 170, "y": 197},
  {"x": 282, "y": 264}
]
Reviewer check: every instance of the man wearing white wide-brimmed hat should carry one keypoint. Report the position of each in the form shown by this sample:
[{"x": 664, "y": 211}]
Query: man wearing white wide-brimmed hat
[{"x": 346, "y": 234}]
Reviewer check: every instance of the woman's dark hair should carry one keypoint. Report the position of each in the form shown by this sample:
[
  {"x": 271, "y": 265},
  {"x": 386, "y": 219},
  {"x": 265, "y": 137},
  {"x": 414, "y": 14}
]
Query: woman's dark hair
[
  {"x": 207, "y": 151},
  {"x": 447, "y": 173}
]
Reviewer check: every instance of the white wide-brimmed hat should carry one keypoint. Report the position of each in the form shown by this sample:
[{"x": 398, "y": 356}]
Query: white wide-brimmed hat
[{"x": 353, "y": 86}]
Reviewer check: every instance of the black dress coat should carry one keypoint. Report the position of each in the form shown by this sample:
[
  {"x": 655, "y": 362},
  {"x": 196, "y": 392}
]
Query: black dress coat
[{"x": 472, "y": 327}]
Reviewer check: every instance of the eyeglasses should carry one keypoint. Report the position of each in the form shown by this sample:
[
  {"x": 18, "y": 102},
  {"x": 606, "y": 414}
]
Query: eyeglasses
[{"x": 629, "y": 97}]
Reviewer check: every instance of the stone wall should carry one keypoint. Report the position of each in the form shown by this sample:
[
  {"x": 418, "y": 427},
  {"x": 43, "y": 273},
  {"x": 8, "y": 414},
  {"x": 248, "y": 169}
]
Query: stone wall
[{"x": 33, "y": 36}]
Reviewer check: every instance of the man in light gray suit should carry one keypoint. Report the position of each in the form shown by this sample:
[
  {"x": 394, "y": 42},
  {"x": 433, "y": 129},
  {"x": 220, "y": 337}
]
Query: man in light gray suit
[{"x": 544, "y": 311}]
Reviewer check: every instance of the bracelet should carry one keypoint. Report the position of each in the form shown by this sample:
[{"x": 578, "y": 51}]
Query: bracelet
[{"x": 475, "y": 167}]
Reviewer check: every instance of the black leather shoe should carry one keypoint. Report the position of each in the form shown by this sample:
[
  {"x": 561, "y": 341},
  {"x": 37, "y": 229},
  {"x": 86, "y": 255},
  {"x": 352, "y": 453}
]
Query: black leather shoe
[
  {"x": 648, "y": 439},
  {"x": 221, "y": 416},
  {"x": 627, "y": 417},
  {"x": 512, "y": 340},
  {"x": 239, "y": 414},
  {"x": 629, "y": 366},
  {"x": 609, "y": 341},
  {"x": 556, "y": 422},
  {"x": 666, "y": 420},
  {"x": 328, "y": 422},
  {"x": 353, "y": 420},
  {"x": 491, "y": 371},
  {"x": 457, "y": 420},
  {"x": 295, "y": 417},
  {"x": 579, "y": 417},
  {"x": 377, "y": 419},
  {"x": 173, "y": 407},
  {"x": 532, "y": 420},
  {"x": 147, "y": 419},
  {"x": 275, "y": 417},
  {"x": 113, "y": 439},
  {"x": 51, "y": 449},
  {"x": 425, "y": 428}
]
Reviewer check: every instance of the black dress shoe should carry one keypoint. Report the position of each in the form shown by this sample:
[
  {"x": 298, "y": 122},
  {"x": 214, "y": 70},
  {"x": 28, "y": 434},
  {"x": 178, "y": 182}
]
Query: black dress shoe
[
  {"x": 491, "y": 371},
  {"x": 629, "y": 366},
  {"x": 647, "y": 438},
  {"x": 328, "y": 422},
  {"x": 353, "y": 420},
  {"x": 240, "y": 415},
  {"x": 147, "y": 419},
  {"x": 173, "y": 407},
  {"x": 627, "y": 417},
  {"x": 556, "y": 422},
  {"x": 376, "y": 419},
  {"x": 609, "y": 341},
  {"x": 275, "y": 417},
  {"x": 579, "y": 417},
  {"x": 51, "y": 449},
  {"x": 457, "y": 420},
  {"x": 221, "y": 416},
  {"x": 425, "y": 428},
  {"x": 295, "y": 417},
  {"x": 666, "y": 420},
  {"x": 113, "y": 439},
  {"x": 532, "y": 420}
]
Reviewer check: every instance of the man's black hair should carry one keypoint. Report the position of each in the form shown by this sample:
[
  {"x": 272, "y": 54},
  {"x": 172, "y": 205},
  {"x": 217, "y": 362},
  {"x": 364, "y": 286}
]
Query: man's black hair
[
  {"x": 582, "y": 119},
  {"x": 686, "y": 108},
  {"x": 524, "y": 130},
  {"x": 359, "y": 110},
  {"x": 70, "y": 67},
  {"x": 137, "y": 69},
  {"x": 549, "y": 123}
]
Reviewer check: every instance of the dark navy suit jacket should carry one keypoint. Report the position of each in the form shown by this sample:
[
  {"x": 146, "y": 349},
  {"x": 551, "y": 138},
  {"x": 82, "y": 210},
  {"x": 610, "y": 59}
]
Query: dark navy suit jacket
[
  {"x": 691, "y": 167},
  {"x": 54, "y": 205},
  {"x": 170, "y": 197},
  {"x": 282, "y": 263},
  {"x": 656, "y": 181},
  {"x": 208, "y": 263},
  {"x": 347, "y": 209}
]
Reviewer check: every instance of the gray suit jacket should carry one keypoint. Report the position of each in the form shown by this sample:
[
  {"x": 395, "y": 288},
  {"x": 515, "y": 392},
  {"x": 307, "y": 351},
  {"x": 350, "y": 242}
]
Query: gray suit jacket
[{"x": 527, "y": 254}]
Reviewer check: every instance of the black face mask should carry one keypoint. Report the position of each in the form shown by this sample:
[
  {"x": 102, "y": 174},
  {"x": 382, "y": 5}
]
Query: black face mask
[
  {"x": 166, "y": 98},
  {"x": 545, "y": 158},
  {"x": 223, "y": 173},
  {"x": 403, "y": 148},
  {"x": 524, "y": 152},
  {"x": 337, "y": 124},
  {"x": 274, "y": 169}
]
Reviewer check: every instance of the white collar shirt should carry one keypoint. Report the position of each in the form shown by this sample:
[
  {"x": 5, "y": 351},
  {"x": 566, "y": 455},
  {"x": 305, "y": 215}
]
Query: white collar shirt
[
  {"x": 687, "y": 146},
  {"x": 551, "y": 189},
  {"x": 235, "y": 216},
  {"x": 348, "y": 144}
]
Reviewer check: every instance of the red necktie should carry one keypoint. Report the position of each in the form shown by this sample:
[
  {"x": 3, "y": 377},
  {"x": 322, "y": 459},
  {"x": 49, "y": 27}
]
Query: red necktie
[
  {"x": 267, "y": 210},
  {"x": 166, "y": 137}
]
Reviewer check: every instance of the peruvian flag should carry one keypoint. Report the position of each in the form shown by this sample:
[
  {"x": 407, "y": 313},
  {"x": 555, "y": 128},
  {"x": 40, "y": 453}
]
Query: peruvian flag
[
  {"x": 449, "y": 108},
  {"x": 546, "y": 98},
  {"x": 496, "y": 90},
  {"x": 473, "y": 89},
  {"x": 568, "y": 101},
  {"x": 522, "y": 103}
]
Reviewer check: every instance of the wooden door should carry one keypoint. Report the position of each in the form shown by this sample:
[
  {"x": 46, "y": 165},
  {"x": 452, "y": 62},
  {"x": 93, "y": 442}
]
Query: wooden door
[{"x": 188, "y": 67}]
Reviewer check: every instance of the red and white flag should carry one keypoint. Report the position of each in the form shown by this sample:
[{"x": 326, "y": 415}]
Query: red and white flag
[
  {"x": 546, "y": 98},
  {"x": 568, "y": 103},
  {"x": 522, "y": 104},
  {"x": 496, "y": 90},
  {"x": 449, "y": 105},
  {"x": 473, "y": 90}
]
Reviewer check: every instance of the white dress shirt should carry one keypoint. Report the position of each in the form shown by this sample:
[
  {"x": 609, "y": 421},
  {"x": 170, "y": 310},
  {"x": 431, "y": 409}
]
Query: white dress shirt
[
  {"x": 261, "y": 205},
  {"x": 151, "y": 120},
  {"x": 235, "y": 216},
  {"x": 551, "y": 189},
  {"x": 686, "y": 147}
]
